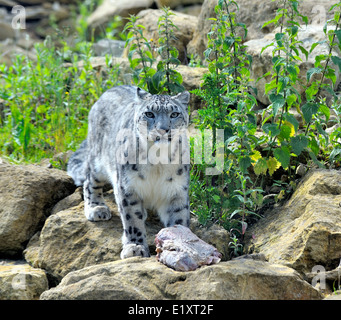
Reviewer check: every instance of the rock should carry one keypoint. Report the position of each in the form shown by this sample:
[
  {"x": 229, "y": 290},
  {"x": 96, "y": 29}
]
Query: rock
[
  {"x": 335, "y": 296},
  {"x": 68, "y": 241},
  {"x": 108, "y": 9},
  {"x": 70, "y": 201},
  {"x": 30, "y": 2},
  {"x": 193, "y": 10},
  {"x": 9, "y": 50},
  {"x": 27, "y": 196},
  {"x": 192, "y": 78},
  {"x": 106, "y": 46},
  {"x": 8, "y": 3},
  {"x": 6, "y": 30},
  {"x": 176, "y": 3},
  {"x": 301, "y": 170},
  {"x": 186, "y": 26},
  {"x": 306, "y": 231},
  {"x": 262, "y": 63},
  {"x": 46, "y": 10},
  {"x": 19, "y": 281},
  {"x": 198, "y": 43},
  {"x": 145, "y": 278},
  {"x": 332, "y": 276}
]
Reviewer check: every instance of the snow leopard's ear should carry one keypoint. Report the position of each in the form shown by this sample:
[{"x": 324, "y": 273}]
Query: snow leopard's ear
[
  {"x": 182, "y": 97},
  {"x": 144, "y": 95}
]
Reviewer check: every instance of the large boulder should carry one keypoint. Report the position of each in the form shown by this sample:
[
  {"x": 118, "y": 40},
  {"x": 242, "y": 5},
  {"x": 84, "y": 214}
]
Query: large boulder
[
  {"x": 176, "y": 3},
  {"x": 186, "y": 26},
  {"x": 306, "y": 231},
  {"x": 68, "y": 241},
  {"x": 27, "y": 196},
  {"x": 19, "y": 281},
  {"x": 108, "y": 9},
  {"x": 145, "y": 278}
]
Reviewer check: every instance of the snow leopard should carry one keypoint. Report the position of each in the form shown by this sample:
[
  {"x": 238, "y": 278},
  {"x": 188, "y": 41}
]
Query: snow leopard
[{"x": 137, "y": 142}]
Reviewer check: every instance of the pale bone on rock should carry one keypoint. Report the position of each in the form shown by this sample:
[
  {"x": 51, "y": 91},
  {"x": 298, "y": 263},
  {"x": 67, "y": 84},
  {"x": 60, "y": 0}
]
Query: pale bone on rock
[{"x": 177, "y": 247}]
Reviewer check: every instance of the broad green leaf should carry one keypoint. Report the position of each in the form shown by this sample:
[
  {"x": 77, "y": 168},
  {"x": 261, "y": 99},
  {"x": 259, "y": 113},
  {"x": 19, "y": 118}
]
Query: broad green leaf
[
  {"x": 325, "y": 110},
  {"x": 312, "y": 71},
  {"x": 308, "y": 110},
  {"x": 333, "y": 154},
  {"x": 311, "y": 91},
  {"x": 273, "y": 165},
  {"x": 260, "y": 167},
  {"x": 313, "y": 46},
  {"x": 313, "y": 145},
  {"x": 256, "y": 155},
  {"x": 157, "y": 78},
  {"x": 291, "y": 99},
  {"x": 336, "y": 60},
  {"x": 283, "y": 156},
  {"x": 299, "y": 143},
  {"x": 271, "y": 129},
  {"x": 291, "y": 118},
  {"x": 216, "y": 198},
  {"x": 287, "y": 130},
  {"x": 244, "y": 163},
  {"x": 293, "y": 71},
  {"x": 228, "y": 42},
  {"x": 330, "y": 74},
  {"x": 270, "y": 86},
  {"x": 278, "y": 102},
  {"x": 338, "y": 35}
]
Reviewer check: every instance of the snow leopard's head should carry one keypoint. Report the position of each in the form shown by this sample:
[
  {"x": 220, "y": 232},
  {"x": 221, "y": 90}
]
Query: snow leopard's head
[{"x": 161, "y": 117}]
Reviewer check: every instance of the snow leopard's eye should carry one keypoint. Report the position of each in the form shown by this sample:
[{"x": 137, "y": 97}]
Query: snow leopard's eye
[
  {"x": 174, "y": 115},
  {"x": 150, "y": 115}
]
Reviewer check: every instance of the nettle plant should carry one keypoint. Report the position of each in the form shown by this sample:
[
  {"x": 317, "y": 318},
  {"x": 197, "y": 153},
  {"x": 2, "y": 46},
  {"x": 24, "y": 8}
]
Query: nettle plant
[
  {"x": 162, "y": 78},
  {"x": 287, "y": 146},
  {"x": 231, "y": 196},
  {"x": 235, "y": 197}
]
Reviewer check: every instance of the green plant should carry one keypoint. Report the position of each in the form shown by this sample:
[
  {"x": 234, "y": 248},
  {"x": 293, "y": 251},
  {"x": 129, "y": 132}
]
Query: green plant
[
  {"x": 47, "y": 101},
  {"x": 231, "y": 196},
  {"x": 112, "y": 29},
  {"x": 236, "y": 246},
  {"x": 234, "y": 197},
  {"x": 85, "y": 9},
  {"x": 281, "y": 127},
  {"x": 142, "y": 64},
  {"x": 169, "y": 54},
  {"x": 286, "y": 142},
  {"x": 163, "y": 78}
]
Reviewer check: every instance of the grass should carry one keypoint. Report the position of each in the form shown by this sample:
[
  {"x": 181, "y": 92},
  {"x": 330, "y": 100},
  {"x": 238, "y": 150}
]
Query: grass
[{"x": 46, "y": 103}]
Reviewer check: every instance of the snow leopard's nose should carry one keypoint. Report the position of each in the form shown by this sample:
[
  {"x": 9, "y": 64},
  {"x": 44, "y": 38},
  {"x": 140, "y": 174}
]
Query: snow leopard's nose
[{"x": 162, "y": 132}]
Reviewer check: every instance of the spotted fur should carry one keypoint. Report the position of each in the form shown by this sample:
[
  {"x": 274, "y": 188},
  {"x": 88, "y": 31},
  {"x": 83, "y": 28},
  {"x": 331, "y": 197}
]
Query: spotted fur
[{"x": 137, "y": 142}]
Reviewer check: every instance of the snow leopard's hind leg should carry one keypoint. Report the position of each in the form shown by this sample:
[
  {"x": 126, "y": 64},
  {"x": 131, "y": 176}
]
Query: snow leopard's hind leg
[{"x": 83, "y": 174}]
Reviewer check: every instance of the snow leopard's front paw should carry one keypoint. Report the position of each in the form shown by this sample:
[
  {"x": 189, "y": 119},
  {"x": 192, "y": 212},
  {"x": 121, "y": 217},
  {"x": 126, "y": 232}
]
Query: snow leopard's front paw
[
  {"x": 134, "y": 250},
  {"x": 98, "y": 213}
]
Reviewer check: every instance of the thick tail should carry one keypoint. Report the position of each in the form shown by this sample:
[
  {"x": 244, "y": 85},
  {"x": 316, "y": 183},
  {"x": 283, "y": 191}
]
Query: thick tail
[{"x": 76, "y": 167}]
